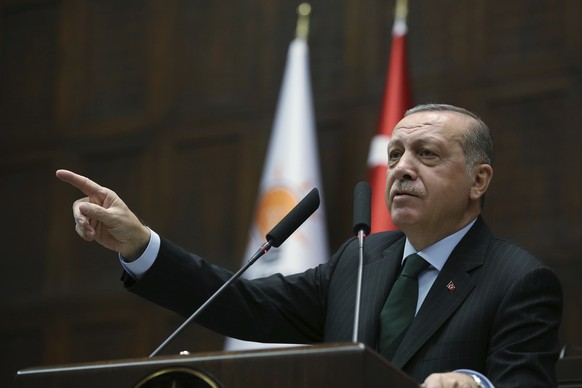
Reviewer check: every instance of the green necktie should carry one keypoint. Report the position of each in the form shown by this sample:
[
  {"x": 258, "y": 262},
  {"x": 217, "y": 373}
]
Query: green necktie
[{"x": 400, "y": 307}]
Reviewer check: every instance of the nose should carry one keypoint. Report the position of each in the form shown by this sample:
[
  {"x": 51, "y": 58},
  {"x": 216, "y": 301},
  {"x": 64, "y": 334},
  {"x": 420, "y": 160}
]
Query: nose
[{"x": 404, "y": 168}]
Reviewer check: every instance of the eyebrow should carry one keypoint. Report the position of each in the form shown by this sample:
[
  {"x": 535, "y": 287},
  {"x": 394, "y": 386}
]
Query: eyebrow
[{"x": 415, "y": 142}]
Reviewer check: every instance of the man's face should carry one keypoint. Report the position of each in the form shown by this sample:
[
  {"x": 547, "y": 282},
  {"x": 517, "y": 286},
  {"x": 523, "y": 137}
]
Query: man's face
[{"x": 428, "y": 185}]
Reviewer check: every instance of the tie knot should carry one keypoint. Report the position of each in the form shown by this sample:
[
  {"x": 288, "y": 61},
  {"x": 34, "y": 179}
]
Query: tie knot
[{"x": 414, "y": 265}]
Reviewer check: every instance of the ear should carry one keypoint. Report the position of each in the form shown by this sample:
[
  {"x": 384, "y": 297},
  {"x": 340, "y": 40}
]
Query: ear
[{"x": 482, "y": 175}]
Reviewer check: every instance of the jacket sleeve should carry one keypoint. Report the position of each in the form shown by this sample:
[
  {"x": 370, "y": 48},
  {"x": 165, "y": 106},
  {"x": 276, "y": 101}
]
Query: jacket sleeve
[{"x": 285, "y": 309}]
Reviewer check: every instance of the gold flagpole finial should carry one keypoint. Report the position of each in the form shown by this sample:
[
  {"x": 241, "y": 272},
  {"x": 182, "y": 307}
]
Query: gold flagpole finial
[
  {"x": 401, "y": 9},
  {"x": 302, "y": 30}
]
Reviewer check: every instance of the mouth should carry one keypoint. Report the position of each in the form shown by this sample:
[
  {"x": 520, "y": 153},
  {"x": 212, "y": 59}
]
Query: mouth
[{"x": 400, "y": 193}]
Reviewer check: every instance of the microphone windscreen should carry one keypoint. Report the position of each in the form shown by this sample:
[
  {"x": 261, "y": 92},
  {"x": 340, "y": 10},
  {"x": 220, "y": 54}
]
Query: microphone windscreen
[
  {"x": 362, "y": 208},
  {"x": 294, "y": 218}
]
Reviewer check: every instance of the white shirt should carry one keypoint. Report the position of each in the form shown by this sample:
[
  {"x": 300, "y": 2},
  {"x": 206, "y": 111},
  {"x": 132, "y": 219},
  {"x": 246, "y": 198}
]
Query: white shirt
[{"x": 436, "y": 255}]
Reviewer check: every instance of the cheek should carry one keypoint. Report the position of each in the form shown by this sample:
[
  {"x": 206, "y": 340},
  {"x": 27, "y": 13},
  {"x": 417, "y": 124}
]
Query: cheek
[
  {"x": 389, "y": 182},
  {"x": 389, "y": 177},
  {"x": 454, "y": 188}
]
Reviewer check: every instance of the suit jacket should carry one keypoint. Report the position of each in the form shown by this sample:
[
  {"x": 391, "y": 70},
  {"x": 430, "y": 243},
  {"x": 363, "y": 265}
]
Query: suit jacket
[{"x": 501, "y": 318}]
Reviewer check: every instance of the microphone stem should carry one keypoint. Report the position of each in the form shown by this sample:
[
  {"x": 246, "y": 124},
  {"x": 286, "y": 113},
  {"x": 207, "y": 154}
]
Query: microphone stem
[
  {"x": 361, "y": 236},
  {"x": 260, "y": 252}
]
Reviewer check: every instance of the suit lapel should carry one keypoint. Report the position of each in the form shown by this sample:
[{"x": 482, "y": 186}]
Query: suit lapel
[
  {"x": 379, "y": 275},
  {"x": 451, "y": 287}
]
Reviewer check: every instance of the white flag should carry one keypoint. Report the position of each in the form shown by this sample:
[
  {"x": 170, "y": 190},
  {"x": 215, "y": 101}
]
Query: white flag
[{"x": 291, "y": 171}]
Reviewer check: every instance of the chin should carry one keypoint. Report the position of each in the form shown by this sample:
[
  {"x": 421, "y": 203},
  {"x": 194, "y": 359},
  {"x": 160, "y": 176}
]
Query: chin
[{"x": 402, "y": 218}]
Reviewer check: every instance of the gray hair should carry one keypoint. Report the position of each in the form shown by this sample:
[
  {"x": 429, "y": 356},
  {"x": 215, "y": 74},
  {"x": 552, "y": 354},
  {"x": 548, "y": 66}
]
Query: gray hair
[{"x": 476, "y": 141}]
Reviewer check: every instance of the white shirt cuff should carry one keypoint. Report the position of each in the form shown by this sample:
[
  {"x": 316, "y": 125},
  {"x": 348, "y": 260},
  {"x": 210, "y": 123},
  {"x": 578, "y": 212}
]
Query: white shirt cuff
[{"x": 140, "y": 266}]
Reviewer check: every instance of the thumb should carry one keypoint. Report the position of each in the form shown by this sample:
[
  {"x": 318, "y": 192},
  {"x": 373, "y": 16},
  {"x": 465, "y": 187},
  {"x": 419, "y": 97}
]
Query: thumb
[
  {"x": 94, "y": 212},
  {"x": 87, "y": 219}
]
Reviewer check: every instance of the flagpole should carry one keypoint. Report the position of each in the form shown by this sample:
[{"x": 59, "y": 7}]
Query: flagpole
[
  {"x": 401, "y": 9},
  {"x": 303, "y": 12}
]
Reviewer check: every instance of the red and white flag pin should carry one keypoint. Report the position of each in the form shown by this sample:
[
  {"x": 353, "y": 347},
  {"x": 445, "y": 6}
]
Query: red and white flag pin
[{"x": 451, "y": 286}]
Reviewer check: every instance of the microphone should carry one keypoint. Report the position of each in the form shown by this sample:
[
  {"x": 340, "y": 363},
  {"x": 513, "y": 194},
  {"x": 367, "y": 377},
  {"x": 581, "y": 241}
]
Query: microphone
[
  {"x": 297, "y": 216},
  {"x": 362, "y": 208},
  {"x": 294, "y": 219},
  {"x": 361, "y": 229}
]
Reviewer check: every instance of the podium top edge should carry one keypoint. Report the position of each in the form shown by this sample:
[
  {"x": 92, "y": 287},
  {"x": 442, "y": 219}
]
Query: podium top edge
[{"x": 218, "y": 355}]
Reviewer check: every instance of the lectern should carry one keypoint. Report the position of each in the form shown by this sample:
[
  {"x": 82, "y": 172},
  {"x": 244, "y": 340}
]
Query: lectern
[{"x": 329, "y": 365}]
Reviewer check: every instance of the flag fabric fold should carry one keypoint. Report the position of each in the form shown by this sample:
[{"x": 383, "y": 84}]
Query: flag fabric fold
[
  {"x": 290, "y": 172},
  {"x": 397, "y": 99}
]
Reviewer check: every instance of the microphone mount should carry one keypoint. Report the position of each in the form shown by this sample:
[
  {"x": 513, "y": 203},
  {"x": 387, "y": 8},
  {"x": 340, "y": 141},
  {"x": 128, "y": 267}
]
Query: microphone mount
[
  {"x": 280, "y": 232},
  {"x": 361, "y": 227},
  {"x": 260, "y": 252}
]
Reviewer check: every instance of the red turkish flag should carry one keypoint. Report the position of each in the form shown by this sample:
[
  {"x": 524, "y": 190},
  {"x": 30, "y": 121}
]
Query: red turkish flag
[{"x": 397, "y": 99}]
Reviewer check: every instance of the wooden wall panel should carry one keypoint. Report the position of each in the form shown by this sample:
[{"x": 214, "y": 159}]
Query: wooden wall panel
[
  {"x": 524, "y": 33},
  {"x": 539, "y": 210},
  {"x": 170, "y": 103},
  {"x": 96, "y": 338},
  {"x": 22, "y": 346},
  {"x": 28, "y": 62},
  {"x": 115, "y": 60},
  {"x": 199, "y": 197},
  {"x": 217, "y": 53},
  {"x": 111, "y": 79},
  {"x": 24, "y": 237}
]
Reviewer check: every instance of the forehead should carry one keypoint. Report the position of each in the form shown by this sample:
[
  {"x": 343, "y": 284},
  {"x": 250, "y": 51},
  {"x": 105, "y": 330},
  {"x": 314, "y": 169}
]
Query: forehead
[{"x": 445, "y": 126}]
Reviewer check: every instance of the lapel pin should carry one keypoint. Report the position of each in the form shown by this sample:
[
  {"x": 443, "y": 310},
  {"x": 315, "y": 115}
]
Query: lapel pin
[{"x": 451, "y": 286}]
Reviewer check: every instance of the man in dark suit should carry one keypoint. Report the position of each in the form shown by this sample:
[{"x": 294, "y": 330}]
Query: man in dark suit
[{"x": 486, "y": 311}]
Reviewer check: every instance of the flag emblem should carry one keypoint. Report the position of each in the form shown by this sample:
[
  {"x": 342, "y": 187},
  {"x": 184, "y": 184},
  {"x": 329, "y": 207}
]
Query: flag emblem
[{"x": 273, "y": 206}]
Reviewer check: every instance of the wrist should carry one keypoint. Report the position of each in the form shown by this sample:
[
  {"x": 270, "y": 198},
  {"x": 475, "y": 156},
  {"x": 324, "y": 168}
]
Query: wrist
[{"x": 138, "y": 246}]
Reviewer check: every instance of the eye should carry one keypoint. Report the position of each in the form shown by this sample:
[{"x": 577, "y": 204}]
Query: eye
[
  {"x": 425, "y": 153},
  {"x": 394, "y": 155}
]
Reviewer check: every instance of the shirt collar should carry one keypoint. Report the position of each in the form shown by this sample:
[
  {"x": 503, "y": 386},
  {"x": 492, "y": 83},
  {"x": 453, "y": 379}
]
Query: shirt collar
[{"x": 438, "y": 253}]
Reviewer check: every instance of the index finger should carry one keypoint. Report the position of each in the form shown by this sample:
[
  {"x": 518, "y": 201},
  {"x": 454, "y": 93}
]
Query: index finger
[{"x": 86, "y": 185}]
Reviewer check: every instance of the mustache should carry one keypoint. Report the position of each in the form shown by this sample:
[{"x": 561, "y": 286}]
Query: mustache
[{"x": 406, "y": 187}]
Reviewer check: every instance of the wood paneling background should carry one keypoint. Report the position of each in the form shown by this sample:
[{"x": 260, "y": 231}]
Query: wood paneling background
[{"x": 170, "y": 103}]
